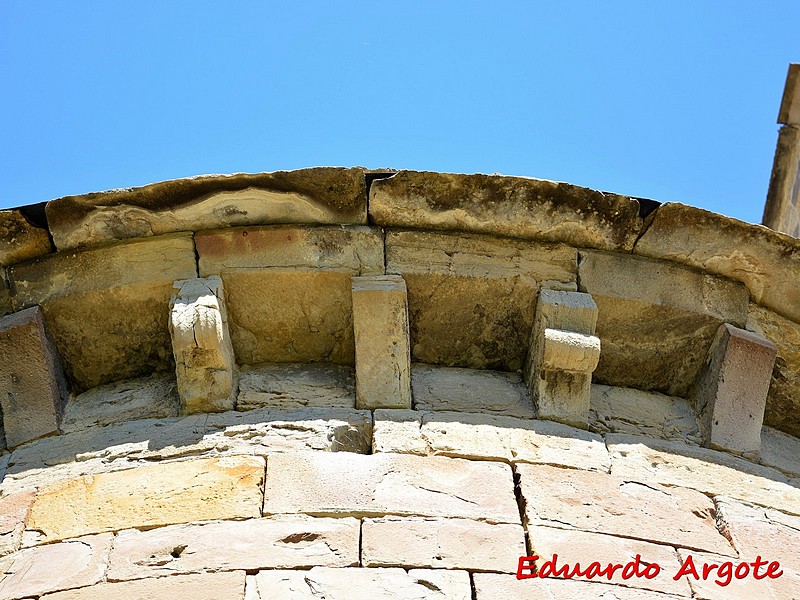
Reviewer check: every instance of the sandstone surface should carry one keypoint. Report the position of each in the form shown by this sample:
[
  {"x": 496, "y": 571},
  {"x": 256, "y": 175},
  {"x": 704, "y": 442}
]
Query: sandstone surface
[
  {"x": 471, "y": 298},
  {"x": 441, "y": 544},
  {"x": 296, "y": 385},
  {"x": 316, "y": 195},
  {"x": 766, "y": 261},
  {"x": 107, "y": 308},
  {"x": 149, "y": 496},
  {"x": 74, "y": 563},
  {"x": 625, "y": 410},
  {"x": 344, "y": 484},
  {"x": 515, "y": 206},
  {"x": 363, "y": 584},
  {"x": 488, "y": 437},
  {"x": 607, "y": 504},
  {"x": 656, "y": 320},
  {"x": 20, "y": 239},
  {"x": 289, "y": 542},
  {"x": 214, "y": 586},
  {"x": 470, "y": 391},
  {"x": 151, "y": 397}
]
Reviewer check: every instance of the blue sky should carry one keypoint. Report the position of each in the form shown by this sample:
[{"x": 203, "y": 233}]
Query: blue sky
[{"x": 672, "y": 101}]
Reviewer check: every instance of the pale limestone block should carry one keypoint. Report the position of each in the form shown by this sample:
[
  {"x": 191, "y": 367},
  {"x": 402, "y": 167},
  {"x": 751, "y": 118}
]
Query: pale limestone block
[
  {"x": 345, "y": 484},
  {"x": 116, "y": 297},
  {"x": 19, "y": 239},
  {"x": 151, "y": 397},
  {"x": 296, "y": 385},
  {"x": 490, "y": 586},
  {"x": 756, "y": 531},
  {"x": 316, "y": 195},
  {"x": 162, "y": 494},
  {"x": 380, "y": 327},
  {"x": 74, "y": 563},
  {"x": 563, "y": 353},
  {"x": 648, "y": 460},
  {"x": 441, "y": 544},
  {"x": 364, "y": 584},
  {"x": 731, "y": 390},
  {"x": 210, "y": 586},
  {"x": 508, "y": 206},
  {"x": 136, "y": 443},
  {"x": 33, "y": 389},
  {"x": 574, "y": 546},
  {"x": 400, "y": 431},
  {"x": 14, "y": 512},
  {"x": 469, "y": 390},
  {"x": 488, "y": 437},
  {"x": 471, "y": 298},
  {"x": 780, "y": 451},
  {"x": 783, "y": 588},
  {"x": 286, "y": 542},
  {"x": 656, "y": 319},
  {"x": 650, "y": 512},
  {"x": 204, "y": 361},
  {"x": 783, "y": 402},
  {"x": 625, "y": 410}
]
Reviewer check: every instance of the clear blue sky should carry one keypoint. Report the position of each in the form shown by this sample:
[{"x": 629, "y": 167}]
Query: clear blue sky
[{"x": 675, "y": 101}]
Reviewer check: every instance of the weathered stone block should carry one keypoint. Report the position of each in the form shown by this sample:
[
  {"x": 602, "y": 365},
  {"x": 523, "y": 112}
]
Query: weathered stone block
[
  {"x": 14, "y": 512},
  {"x": 625, "y": 410},
  {"x": 731, "y": 390},
  {"x": 288, "y": 290},
  {"x": 363, "y": 584},
  {"x": 214, "y": 488},
  {"x": 19, "y": 239},
  {"x": 380, "y": 327},
  {"x": 469, "y": 391},
  {"x": 33, "y": 390},
  {"x": 471, "y": 297},
  {"x": 344, "y": 484},
  {"x": 317, "y": 195},
  {"x": 212, "y": 586},
  {"x": 107, "y": 308},
  {"x": 296, "y": 385},
  {"x": 289, "y": 542},
  {"x": 766, "y": 261},
  {"x": 74, "y": 563},
  {"x": 670, "y": 463},
  {"x": 152, "y": 397},
  {"x": 673, "y": 516},
  {"x": 489, "y": 586},
  {"x": 584, "y": 548},
  {"x": 441, "y": 544},
  {"x": 780, "y": 451},
  {"x": 5, "y": 294},
  {"x": 656, "y": 320},
  {"x": 783, "y": 401},
  {"x": 358, "y": 249},
  {"x": 790, "y": 103},
  {"x": 785, "y": 586},
  {"x": 756, "y": 531},
  {"x": 563, "y": 353},
  {"x": 290, "y": 316},
  {"x": 116, "y": 447},
  {"x": 204, "y": 362},
  {"x": 488, "y": 437},
  {"x": 513, "y": 206}
]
